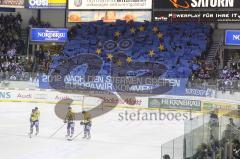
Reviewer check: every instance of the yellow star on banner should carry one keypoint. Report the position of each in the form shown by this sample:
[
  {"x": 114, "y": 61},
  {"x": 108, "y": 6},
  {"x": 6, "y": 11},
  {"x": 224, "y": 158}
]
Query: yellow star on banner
[
  {"x": 98, "y": 51},
  {"x": 129, "y": 59},
  {"x": 155, "y": 29},
  {"x": 133, "y": 30},
  {"x": 117, "y": 34},
  {"x": 160, "y": 35},
  {"x": 109, "y": 56},
  {"x": 161, "y": 47},
  {"x": 151, "y": 53},
  {"x": 141, "y": 28},
  {"x": 119, "y": 63}
]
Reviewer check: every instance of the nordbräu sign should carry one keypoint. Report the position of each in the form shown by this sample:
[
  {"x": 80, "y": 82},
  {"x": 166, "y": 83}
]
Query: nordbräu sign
[
  {"x": 167, "y": 103},
  {"x": 48, "y": 35}
]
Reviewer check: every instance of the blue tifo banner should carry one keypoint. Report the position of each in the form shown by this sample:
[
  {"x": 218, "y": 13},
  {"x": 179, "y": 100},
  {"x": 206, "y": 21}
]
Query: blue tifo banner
[
  {"x": 232, "y": 37},
  {"x": 48, "y": 35},
  {"x": 123, "y": 84}
]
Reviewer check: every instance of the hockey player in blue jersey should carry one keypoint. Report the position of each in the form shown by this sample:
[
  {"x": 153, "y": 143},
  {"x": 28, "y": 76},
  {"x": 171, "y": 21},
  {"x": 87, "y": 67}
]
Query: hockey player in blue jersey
[
  {"x": 69, "y": 119},
  {"x": 87, "y": 123}
]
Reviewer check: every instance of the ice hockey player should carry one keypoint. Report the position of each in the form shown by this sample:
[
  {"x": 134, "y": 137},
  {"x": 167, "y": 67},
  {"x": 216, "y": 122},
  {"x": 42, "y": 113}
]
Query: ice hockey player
[
  {"x": 34, "y": 121},
  {"x": 87, "y": 123},
  {"x": 69, "y": 119},
  {"x": 37, "y": 114}
]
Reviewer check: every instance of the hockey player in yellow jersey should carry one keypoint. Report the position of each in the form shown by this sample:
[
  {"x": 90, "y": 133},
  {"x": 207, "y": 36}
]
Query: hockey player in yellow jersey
[
  {"x": 34, "y": 121},
  {"x": 87, "y": 123},
  {"x": 69, "y": 119},
  {"x": 37, "y": 114}
]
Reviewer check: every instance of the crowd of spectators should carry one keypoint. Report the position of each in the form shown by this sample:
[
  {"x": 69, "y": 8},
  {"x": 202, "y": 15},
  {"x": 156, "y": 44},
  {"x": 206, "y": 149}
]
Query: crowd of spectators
[
  {"x": 203, "y": 72},
  {"x": 43, "y": 60},
  {"x": 36, "y": 23},
  {"x": 202, "y": 76},
  {"x": 229, "y": 74},
  {"x": 10, "y": 31},
  {"x": 11, "y": 45},
  {"x": 229, "y": 79}
]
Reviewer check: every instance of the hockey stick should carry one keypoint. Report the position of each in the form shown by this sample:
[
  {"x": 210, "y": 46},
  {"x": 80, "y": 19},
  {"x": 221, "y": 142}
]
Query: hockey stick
[
  {"x": 57, "y": 130},
  {"x": 76, "y": 136}
]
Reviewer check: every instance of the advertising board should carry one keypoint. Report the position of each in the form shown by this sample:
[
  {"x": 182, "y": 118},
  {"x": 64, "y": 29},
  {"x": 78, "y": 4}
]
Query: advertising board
[
  {"x": 232, "y": 37},
  {"x": 109, "y": 4},
  {"x": 108, "y": 16},
  {"x": 46, "y": 4},
  {"x": 48, "y": 35}
]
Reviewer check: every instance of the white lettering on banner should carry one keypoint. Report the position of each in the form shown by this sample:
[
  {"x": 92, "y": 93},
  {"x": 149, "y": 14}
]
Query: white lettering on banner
[
  {"x": 162, "y": 18},
  {"x": 62, "y": 97},
  {"x": 38, "y": 2},
  {"x": 27, "y": 96},
  {"x": 236, "y": 37},
  {"x": 185, "y": 15},
  {"x": 51, "y": 34},
  {"x": 212, "y": 3},
  {"x": 222, "y": 15},
  {"x": 55, "y": 78},
  {"x": 66, "y": 97},
  {"x": 196, "y": 92},
  {"x": 116, "y": 101},
  {"x": 4, "y": 95},
  {"x": 181, "y": 102},
  {"x": 208, "y": 15}
]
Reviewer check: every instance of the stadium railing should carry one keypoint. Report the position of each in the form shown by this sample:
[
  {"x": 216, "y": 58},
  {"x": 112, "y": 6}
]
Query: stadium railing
[
  {"x": 174, "y": 148},
  {"x": 202, "y": 139}
]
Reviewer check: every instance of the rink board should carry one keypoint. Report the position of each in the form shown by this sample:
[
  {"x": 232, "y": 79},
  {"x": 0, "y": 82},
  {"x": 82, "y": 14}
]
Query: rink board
[{"x": 53, "y": 97}]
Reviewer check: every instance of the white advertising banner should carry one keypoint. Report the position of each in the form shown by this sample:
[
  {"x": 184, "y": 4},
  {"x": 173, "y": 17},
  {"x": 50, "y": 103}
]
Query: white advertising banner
[
  {"x": 109, "y": 4},
  {"x": 108, "y": 16}
]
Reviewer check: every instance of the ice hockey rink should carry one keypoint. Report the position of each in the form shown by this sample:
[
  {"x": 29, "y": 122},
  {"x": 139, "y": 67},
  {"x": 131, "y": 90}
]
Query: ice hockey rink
[{"x": 111, "y": 137}]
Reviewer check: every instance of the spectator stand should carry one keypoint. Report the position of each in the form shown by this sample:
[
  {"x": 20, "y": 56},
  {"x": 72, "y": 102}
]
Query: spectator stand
[
  {"x": 42, "y": 52},
  {"x": 12, "y": 59}
]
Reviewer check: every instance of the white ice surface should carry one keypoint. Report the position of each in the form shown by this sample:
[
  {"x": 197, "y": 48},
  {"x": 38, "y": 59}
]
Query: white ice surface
[{"x": 111, "y": 138}]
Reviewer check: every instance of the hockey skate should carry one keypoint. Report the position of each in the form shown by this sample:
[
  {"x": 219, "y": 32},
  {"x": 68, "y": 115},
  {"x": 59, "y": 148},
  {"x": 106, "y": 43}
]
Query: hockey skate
[
  {"x": 30, "y": 135},
  {"x": 89, "y": 137}
]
